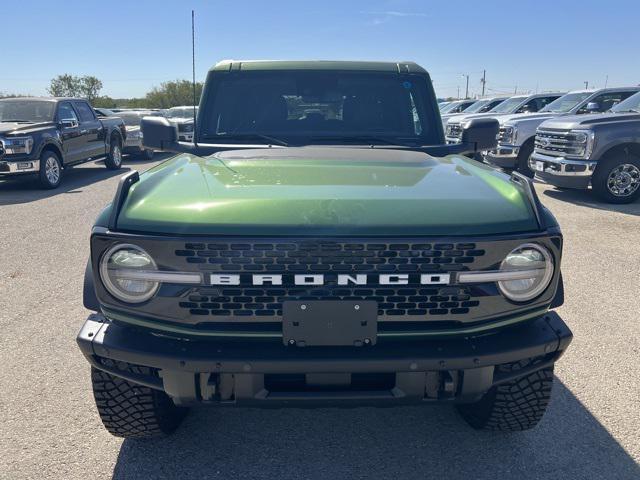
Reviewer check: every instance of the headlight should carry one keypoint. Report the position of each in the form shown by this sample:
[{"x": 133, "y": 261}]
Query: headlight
[
  {"x": 122, "y": 270},
  {"x": 582, "y": 144},
  {"x": 526, "y": 272},
  {"x": 18, "y": 145},
  {"x": 187, "y": 128},
  {"x": 507, "y": 135}
]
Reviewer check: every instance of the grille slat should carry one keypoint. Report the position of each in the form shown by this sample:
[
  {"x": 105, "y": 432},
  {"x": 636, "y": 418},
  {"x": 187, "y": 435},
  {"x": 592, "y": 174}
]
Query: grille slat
[{"x": 558, "y": 143}]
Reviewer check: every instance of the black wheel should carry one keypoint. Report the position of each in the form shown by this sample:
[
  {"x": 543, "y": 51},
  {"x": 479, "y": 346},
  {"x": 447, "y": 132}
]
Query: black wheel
[
  {"x": 50, "y": 174},
  {"x": 133, "y": 411},
  {"x": 114, "y": 158},
  {"x": 523, "y": 160},
  {"x": 512, "y": 406},
  {"x": 147, "y": 154},
  {"x": 617, "y": 178}
]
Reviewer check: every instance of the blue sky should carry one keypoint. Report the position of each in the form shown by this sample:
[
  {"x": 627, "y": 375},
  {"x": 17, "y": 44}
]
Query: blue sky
[{"x": 134, "y": 45}]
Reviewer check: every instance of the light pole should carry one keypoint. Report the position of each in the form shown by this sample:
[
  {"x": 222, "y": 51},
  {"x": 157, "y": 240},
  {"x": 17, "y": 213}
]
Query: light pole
[{"x": 466, "y": 93}]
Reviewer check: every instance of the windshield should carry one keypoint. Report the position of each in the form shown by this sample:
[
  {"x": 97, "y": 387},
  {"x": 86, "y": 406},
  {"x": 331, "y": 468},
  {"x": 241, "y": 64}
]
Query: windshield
[
  {"x": 566, "y": 102},
  {"x": 477, "y": 107},
  {"x": 447, "y": 108},
  {"x": 318, "y": 105},
  {"x": 181, "y": 112},
  {"x": 631, "y": 104},
  {"x": 26, "y": 110},
  {"x": 508, "y": 106}
]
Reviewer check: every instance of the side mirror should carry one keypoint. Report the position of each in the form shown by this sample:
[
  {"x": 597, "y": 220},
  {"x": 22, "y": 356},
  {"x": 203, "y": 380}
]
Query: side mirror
[
  {"x": 480, "y": 133},
  {"x": 593, "y": 107},
  {"x": 159, "y": 134}
]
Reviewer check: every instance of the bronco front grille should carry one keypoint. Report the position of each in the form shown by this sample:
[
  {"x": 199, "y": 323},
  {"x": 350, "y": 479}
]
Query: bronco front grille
[{"x": 329, "y": 258}]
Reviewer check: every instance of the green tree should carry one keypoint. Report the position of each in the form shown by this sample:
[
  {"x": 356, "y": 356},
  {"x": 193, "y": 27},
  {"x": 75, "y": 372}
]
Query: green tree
[
  {"x": 173, "y": 94},
  {"x": 73, "y": 86}
]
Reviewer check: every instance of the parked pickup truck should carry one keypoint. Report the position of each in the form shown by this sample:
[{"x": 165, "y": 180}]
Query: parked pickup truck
[
  {"x": 43, "y": 136},
  {"x": 517, "y": 104},
  {"x": 517, "y": 132},
  {"x": 457, "y": 106},
  {"x": 182, "y": 118},
  {"x": 319, "y": 244},
  {"x": 602, "y": 150},
  {"x": 481, "y": 106}
]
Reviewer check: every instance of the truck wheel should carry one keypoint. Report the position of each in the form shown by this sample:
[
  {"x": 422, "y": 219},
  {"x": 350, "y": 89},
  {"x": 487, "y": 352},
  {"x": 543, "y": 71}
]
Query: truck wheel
[
  {"x": 114, "y": 158},
  {"x": 513, "y": 406},
  {"x": 50, "y": 170},
  {"x": 523, "y": 160},
  {"x": 617, "y": 179},
  {"x": 133, "y": 411}
]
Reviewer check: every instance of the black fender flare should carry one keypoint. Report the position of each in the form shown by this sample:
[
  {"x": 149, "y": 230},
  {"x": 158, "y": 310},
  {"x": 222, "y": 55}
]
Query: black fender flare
[
  {"x": 558, "y": 299},
  {"x": 52, "y": 144},
  {"x": 89, "y": 297}
]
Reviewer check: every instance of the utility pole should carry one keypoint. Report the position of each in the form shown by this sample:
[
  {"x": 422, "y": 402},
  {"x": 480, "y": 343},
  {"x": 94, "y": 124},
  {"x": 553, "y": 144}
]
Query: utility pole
[
  {"x": 466, "y": 93},
  {"x": 586, "y": 85},
  {"x": 484, "y": 80},
  {"x": 458, "y": 92},
  {"x": 606, "y": 81},
  {"x": 515, "y": 90}
]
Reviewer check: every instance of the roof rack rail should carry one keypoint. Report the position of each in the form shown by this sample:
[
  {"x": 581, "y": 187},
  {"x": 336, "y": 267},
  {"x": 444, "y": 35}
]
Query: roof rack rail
[
  {"x": 125, "y": 184},
  {"x": 527, "y": 186}
]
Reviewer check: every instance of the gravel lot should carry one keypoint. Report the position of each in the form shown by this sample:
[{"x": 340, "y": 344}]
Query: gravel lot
[{"x": 49, "y": 427}]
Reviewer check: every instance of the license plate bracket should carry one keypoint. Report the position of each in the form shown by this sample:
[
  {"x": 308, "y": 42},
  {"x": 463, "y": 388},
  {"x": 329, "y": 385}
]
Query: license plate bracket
[{"x": 329, "y": 322}]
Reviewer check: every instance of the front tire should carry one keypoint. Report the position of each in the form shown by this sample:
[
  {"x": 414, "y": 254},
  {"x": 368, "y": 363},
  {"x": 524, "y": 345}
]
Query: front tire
[
  {"x": 114, "y": 158},
  {"x": 513, "y": 406},
  {"x": 523, "y": 160},
  {"x": 50, "y": 174},
  {"x": 132, "y": 411},
  {"x": 617, "y": 179}
]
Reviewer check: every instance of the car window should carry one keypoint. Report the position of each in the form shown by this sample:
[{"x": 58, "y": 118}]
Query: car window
[
  {"x": 606, "y": 100},
  {"x": 544, "y": 101},
  {"x": 85, "y": 113},
  {"x": 66, "y": 112}
]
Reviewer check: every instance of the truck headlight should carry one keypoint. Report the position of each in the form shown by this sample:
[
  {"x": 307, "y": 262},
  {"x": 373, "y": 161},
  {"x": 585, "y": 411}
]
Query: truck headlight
[
  {"x": 507, "y": 135},
  {"x": 126, "y": 271},
  {"x": 582, "y": 144},
  {"x": 17, "y": 145},
  {"x": 526, "y": 272}
]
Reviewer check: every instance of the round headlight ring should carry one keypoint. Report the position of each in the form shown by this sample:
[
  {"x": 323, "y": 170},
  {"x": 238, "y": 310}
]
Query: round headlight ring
[
  {"x": 116, "y": 290},
  {"x": 543, "y": 281}
]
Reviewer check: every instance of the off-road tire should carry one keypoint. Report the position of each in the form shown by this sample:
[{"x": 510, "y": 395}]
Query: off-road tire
[
  {"x": 133, "y": 411},
  {"x": 45, "y": 177},
  {"x": 605, "y": 168},
  {"x": 114, "y": 157},
  {"x": 513, "y": 406},
  {"x": 522, "y": 164}
]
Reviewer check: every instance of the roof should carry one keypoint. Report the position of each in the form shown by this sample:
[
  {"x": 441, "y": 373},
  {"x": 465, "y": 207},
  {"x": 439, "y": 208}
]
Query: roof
[
  {"x": 44, "y": 99},
  {"x": 253, "y": 65}
]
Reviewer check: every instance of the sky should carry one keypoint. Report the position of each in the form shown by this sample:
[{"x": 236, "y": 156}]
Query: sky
[{"x": 133, "y": 45}]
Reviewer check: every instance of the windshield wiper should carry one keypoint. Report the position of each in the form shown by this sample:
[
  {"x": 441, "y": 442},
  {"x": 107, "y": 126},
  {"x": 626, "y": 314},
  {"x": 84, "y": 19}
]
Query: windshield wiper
[
  {"x": 248, "y": 136},
  {"x": 368, "y": 139}
]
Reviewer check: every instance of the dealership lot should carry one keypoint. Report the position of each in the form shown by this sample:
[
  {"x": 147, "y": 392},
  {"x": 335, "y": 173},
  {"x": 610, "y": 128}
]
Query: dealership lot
[{"x": 49, "y": 426}]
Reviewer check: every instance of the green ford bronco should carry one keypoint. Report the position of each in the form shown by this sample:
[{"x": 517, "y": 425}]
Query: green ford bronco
[{"x": 318, "y": 244}]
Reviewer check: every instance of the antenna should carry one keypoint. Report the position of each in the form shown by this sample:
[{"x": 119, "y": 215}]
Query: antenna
[{"x": 193, "y": 65}]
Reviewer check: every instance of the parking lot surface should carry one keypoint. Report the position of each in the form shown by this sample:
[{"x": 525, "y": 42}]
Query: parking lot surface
[{"x": 49, "y": 427}]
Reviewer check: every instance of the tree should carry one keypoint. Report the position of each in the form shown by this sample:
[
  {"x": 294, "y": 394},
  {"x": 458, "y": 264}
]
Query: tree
[
  {"x": 173, "y": 94},
  {"x": 72, "y": 86}
]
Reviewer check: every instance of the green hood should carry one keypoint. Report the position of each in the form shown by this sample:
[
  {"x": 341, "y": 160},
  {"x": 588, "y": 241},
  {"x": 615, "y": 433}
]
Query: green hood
[{"x": 328, "y": 191}]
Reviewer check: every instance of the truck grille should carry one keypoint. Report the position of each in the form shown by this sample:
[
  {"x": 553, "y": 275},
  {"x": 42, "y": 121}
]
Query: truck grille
[
  {"x": 558, "y": 143},
  {"x": 329, "y": 258}
]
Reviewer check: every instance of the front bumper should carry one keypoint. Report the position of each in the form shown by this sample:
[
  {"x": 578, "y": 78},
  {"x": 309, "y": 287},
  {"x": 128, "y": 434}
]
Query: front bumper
[
  {"x": 561, "y": 171},
  {"x": 504, "y": 156},
  {"x": 18, "y": 167},
  {"x": 133, "y": 144},
  {"x": 459, "y": 369}
]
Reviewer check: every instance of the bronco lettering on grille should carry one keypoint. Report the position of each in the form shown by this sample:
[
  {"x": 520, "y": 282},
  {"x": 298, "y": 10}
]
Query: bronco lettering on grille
[{"x": 341, "y": 279}]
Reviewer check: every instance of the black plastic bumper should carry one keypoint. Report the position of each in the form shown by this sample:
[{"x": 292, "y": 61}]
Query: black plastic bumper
[{"x": 463, "y": 368}]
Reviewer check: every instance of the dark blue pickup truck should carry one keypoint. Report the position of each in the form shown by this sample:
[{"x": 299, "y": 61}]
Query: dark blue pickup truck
[{"x": 43, "y": 136}]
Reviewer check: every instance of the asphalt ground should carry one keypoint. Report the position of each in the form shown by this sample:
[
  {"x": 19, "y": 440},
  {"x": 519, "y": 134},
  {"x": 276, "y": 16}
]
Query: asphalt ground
[{"x": 49, "y": 427}]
